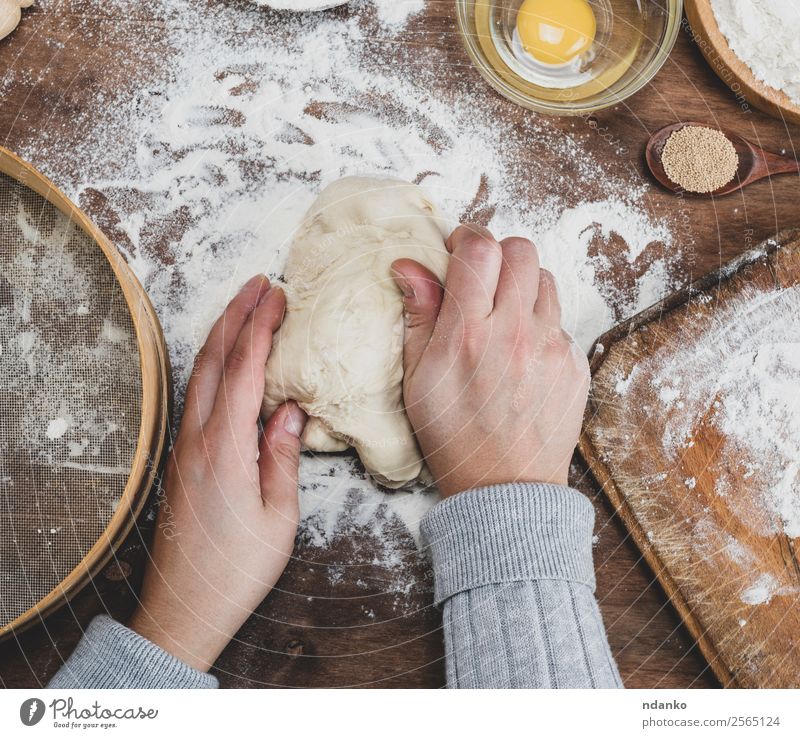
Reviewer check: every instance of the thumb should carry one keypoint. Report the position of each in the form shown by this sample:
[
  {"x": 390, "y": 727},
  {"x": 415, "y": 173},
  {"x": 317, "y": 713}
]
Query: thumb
[
  {"x": 422, "y": 298},
  {"x": 279, "y": 455}
]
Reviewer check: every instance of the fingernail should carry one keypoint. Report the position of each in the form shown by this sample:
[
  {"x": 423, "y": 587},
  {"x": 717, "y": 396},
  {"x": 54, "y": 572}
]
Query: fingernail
[
  {"x": 295, "y": 420},
  {"x": 263, "y": 298},
  {"x": 255, "y": 280}
]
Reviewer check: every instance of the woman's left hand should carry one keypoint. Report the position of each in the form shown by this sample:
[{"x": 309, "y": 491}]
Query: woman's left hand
[{"x": 228, "y": 512}]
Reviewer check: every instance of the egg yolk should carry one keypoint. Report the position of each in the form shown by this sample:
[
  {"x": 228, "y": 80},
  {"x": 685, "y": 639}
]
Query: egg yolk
[{"x": 556, "y": 31}]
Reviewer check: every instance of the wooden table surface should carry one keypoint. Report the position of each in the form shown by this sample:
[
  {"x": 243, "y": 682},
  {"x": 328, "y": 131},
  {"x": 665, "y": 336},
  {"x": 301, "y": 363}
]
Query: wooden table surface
[{"x": 312, "y": 632}]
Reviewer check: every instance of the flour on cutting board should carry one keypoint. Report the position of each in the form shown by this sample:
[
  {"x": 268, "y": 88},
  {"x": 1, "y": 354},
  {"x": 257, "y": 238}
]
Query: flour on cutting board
[
  {"x": 741, "y": 376},
  {"x": 212, "y": 166},
  {"x": 762, "y": 591}
]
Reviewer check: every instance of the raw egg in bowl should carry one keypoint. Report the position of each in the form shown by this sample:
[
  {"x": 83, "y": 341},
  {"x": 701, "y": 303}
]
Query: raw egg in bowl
[{"x": 568, "y": 57}]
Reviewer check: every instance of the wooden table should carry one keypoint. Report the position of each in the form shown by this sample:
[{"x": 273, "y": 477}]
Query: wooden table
[{"x": 312, "y": 633}]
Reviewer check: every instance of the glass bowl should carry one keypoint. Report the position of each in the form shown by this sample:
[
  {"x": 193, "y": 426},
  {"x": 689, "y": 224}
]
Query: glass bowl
[{"x": 632, "y": 41}]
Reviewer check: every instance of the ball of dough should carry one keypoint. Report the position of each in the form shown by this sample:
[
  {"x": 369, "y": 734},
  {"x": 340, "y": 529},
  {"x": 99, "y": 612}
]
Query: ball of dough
[
  {"x": 11, "y": 14},
  {"x": 339, "y": 351}
]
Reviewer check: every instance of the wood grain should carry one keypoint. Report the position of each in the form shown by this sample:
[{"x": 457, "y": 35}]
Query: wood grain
[
  {"x": 57, "y": 79},
  {"x": 686, "y": 531}
]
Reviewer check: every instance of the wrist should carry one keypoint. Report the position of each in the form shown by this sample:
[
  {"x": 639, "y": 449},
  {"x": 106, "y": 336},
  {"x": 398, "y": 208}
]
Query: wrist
[
  {"x": 180, "y": 633},
  {"x": 450, "y": 488}
]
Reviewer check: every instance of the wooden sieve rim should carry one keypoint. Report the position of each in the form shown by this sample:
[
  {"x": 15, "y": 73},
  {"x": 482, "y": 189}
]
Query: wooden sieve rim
[{"x": 155, "y": 398}]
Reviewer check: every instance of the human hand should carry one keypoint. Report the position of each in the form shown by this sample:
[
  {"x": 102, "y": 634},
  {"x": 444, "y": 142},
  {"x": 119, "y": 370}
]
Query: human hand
[
  {"x": 493, "y": 386},
  {"x": 229, "y": 511}
]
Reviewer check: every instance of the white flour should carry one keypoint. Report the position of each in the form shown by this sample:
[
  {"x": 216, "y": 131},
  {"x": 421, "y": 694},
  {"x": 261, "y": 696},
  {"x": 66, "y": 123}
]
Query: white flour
[
  {"x": 765, "y": 35},
  {"x": 212, "y": 165},
  {"x": 298, "y": 5},
  {"x": 397, "y": 12},
  {"x": 743, "y": 376},
  {"x": 390, "y": 12},
  {"x": 752, "y": 398},
  {"x": 762, "y": 591},
  {"x": 58, "y": 372},
  {"x": 740, "y": 377}
]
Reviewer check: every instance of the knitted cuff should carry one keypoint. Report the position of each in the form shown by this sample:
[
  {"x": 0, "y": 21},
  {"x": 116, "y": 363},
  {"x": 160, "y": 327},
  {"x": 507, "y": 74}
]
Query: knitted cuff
[
  {"x": 510, "y": 533},
  {"x": 111, "y": 656}
]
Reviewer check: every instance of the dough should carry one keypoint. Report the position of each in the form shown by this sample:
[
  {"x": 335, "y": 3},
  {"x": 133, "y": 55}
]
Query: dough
[
  {"x": 339, "y": 351},
  {"x": 10, "y": 14}
]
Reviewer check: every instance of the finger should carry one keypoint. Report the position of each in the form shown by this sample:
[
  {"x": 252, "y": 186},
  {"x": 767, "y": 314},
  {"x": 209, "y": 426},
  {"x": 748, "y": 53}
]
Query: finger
[
  {"x": 207, "y": 372},
  {"x": 472, "y": 276},
  {"x": 548, "y": 307},
  {"x": 422, "y": 298},
  {"x": 518, "y": 285},
  {"x": 241, "y": 390},
  {"x": 279, "y": 455}
]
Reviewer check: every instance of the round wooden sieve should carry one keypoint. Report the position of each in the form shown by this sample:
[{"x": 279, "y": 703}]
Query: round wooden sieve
[{"x": 84, "y": 397}]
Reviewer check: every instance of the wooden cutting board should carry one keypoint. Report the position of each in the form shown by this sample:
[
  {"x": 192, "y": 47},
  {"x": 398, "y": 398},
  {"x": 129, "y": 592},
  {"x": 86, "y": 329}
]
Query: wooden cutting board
[{"x": 693, "y": 429}]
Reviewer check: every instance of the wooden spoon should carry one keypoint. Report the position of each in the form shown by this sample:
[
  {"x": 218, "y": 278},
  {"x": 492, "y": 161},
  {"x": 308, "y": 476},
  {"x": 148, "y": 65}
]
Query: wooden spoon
[{"x": 754, "y": 162}]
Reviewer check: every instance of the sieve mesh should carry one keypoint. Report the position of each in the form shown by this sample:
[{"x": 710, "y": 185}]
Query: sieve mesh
[{"x": 70, "y": 396}]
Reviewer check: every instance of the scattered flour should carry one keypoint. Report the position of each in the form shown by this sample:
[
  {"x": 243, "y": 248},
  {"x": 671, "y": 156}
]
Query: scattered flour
[
  {"x": 395, "y": 13},
  {"x": 736, "y": 386},
  {"x": 57, "y": 428},
  {"x": 743, "y": 377},
  {"x": 63, "y": 380},
  {"x": 760, "y": 409},
  {"x": 591, "y": 307},
  {"x": 623, "y": 384},
  {"x": 391, "y": 13},
  {"x": 299, "y": 5},
  {"x": 762, "y": 591},
  {"x": 70, "y": 383},
  {"x": 204, "y": 171},
  {"x": 739, "y": 378}
]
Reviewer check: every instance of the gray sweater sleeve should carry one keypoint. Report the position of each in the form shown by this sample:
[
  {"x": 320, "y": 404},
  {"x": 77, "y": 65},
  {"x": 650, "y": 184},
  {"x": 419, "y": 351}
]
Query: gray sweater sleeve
[
  {"x": 513, "y": 569},
  {"x": 111, "y": 656}
]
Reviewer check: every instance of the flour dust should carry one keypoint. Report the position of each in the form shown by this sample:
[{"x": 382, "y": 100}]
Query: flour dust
[{"x": 204, "y": 171}]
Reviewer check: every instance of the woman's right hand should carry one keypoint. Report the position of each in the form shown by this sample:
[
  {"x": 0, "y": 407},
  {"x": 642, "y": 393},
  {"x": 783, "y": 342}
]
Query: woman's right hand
[{"x": 493, "y": 386}]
